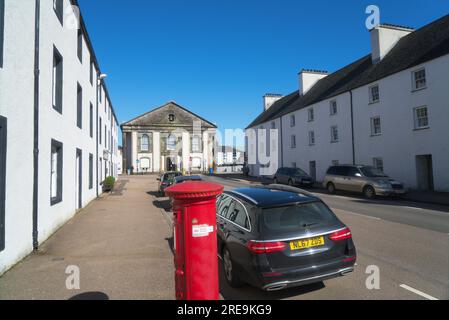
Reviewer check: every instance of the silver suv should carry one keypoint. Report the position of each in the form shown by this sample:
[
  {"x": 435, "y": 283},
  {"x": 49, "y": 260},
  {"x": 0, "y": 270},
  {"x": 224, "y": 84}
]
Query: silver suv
[{"x": 368, "y": 180}]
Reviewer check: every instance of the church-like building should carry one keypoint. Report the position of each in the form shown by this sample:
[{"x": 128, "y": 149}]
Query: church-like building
[{"x": 169, "y": 138}]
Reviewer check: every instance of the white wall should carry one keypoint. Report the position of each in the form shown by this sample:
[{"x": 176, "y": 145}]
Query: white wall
[
  {"x": 17, "y": 106},
  {"x": 323, "y": 152},
  {"x": 400, "y": 143}
]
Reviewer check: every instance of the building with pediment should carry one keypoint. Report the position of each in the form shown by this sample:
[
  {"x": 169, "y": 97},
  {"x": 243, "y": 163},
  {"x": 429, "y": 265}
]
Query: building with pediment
[{"x": 168, "y": 138}]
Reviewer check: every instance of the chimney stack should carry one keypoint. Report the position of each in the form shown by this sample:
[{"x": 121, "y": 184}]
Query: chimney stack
[
  {"x": 269, "y": 99},
  {"x": 308, "y": 78},
  {"x": 384, "y": 37}
]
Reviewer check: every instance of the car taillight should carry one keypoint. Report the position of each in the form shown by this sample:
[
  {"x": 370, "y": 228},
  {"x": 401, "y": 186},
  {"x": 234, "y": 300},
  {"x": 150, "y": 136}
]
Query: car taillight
[
  {"x": 341, "y": 235},
  {"x": 265, "y": 247}
]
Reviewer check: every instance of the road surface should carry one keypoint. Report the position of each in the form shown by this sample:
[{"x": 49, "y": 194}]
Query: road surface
[{"x": 407, "y": 242}]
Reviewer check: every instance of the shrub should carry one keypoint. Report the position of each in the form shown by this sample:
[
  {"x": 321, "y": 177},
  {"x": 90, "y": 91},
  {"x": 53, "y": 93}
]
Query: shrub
[{"x": 108, "y": 184}]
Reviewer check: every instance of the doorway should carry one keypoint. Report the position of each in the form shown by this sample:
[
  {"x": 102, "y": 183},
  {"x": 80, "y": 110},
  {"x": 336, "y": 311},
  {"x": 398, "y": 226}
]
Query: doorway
[
  {"x": 424, "y": 172},
  {"x": 170, "y": 164},
  {"x": 312, "y": 169},
  {"x": 79, "y": 179}
]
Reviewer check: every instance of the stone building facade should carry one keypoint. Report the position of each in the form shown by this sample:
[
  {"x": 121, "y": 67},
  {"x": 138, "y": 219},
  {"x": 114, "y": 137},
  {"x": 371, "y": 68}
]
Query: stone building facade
[{"x": 168, "y": 138}]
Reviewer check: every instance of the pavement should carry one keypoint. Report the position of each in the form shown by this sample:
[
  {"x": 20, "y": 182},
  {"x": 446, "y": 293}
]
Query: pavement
[{"x": 120, "y": 243}]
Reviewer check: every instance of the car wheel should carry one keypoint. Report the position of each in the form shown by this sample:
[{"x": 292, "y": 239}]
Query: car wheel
[
  {"x": 369, "y": 192},
  {"x": 229, "y": 270},
  {"x": 330, "y": 188}
]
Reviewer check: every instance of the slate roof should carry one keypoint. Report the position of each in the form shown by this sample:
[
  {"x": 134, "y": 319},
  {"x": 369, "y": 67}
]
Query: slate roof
[{"x": 425, "y": 44}]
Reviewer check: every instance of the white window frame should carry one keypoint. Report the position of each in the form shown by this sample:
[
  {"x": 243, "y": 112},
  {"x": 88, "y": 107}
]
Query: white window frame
[
  {"x": 333, "y": 107},
  {"x": 374, "y": 127},
  {"x": 145, "y": 147},
  {"x": 196, "y": 141},
  {"x": 334, "y": 129},
  {"x": 293, "y": 141},
  {"x": 371, "y": 97},
  {"x": 292, "y": 121},
  {"x": 415, "y": 80},
  {"x": 311, "y": 138},
  {"x": 417, "y": 119},
  {"x": 376, "y": 162},
  {"x": 311, "y": 114}
]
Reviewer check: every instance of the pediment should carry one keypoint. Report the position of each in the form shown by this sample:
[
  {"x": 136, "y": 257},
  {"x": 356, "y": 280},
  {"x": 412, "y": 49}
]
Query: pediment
[{"x": 170, "y": 115}]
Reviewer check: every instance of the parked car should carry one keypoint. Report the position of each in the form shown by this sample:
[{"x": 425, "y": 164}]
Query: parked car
[
  {"x": 368, "y": 180},
  {"x": 293, "y": 177},
  {"x": 167, "y": 179},
  {"x": 182, "y": 179},
  {"x": 274, "y": 237}
]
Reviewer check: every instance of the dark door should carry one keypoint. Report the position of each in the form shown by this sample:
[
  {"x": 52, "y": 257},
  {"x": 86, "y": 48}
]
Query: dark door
[
  {"x": 312, "y": 169},
  {"x": 2, "y": 180},
  {"x": 79, "y": 179},
  {"x": 424, "y": 171}
]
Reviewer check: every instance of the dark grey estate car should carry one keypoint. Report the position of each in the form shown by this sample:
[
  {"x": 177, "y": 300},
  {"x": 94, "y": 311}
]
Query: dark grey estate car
[
  {"x": 293, "y": 177},
  {"x": 275, "y": 237}
]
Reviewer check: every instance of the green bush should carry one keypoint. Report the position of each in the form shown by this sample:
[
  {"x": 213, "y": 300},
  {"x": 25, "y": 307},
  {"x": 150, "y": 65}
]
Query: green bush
[{"x": 108, "y": 184}]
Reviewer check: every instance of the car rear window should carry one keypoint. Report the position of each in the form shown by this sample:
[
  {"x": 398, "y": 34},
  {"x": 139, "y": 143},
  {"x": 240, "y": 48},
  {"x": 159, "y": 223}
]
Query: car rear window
[{"x": 294, "y": 217}]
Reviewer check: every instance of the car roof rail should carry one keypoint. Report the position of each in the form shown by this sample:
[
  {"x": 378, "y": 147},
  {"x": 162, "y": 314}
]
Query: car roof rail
[{"x": 281, "y": 187}]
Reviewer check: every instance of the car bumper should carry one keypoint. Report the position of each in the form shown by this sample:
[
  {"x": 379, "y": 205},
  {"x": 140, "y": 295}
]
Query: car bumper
[
  {"x": 389, "y": 191},
  {"x": 275, "y": 286}
]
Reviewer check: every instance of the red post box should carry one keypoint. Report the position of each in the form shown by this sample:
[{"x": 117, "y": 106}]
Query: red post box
[{"x": 195, "y": 239}]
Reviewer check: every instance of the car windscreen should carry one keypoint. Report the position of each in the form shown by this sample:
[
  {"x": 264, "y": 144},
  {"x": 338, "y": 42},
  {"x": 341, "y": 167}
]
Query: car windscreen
[
  {"x": 295, "y": 217},
  {"x": 372, "y": 172},
  {"x": 170, "y": 177},
  {"x": 299, "y": 172}
]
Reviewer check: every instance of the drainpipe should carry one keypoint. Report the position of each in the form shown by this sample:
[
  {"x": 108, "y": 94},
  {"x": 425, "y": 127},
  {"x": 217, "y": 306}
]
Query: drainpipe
[
  {"x": 352, "y": 128},
  {"x": 36, "y": 126},
  {"x": 282, "y": 146},
  {"x": 96, "y": 164}
]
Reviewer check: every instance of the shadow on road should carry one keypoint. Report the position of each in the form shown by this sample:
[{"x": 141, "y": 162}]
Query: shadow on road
[
  {"x": 98, "y": 296},
  {"x": 250, "y": 293},
  {"x": 388, "y": 201}
]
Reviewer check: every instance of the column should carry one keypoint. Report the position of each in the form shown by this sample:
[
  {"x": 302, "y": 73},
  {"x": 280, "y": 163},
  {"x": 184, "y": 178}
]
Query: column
[
  {"x": 156, "y": 152},
  {"x": 186, "y": 151},
  {"x": 205, "y": 163},
  {"x": 134, "y": 147}
]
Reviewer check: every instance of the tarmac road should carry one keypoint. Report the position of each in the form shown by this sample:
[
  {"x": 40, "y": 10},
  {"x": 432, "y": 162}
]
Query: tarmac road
[{"x": 408, "y": 242}]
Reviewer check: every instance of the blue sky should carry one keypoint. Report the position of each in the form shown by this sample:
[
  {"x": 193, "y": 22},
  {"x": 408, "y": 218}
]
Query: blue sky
[{"x": 218, "y": 58}]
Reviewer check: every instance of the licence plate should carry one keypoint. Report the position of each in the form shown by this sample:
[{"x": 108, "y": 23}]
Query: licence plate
[{"x": 307, "y": 243}]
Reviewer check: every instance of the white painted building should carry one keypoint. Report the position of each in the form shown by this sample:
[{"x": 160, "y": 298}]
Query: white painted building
[
  {"x": 388, "y": 109},
  {"x": 168, "y": 138},
  {"x": 54, "y": 153}
]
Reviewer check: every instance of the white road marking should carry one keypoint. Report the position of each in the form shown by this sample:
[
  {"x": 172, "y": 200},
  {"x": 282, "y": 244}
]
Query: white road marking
[
  {"x": 419, "y": 293},
  {"x": 358, "y": 214}
]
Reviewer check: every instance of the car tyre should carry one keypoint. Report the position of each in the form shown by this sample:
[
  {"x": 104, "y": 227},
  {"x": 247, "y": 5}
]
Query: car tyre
[
  {"x": 229, "y": 271},
  {"x": 330, "y": 188},
  {"x": 369, "y": 192}
]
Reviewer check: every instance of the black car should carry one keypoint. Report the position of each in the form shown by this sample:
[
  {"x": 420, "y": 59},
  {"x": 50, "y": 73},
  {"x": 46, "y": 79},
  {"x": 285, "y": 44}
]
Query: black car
[
  {"x": 182, "y": 179},
  {"x": 275, "y": 237},
  {"x": 293, "y": 177},
  {"x": 167, "y": 179}
]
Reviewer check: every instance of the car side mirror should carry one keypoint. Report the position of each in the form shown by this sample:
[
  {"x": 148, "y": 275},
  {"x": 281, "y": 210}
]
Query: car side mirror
[
  {"x": 358, "y": 175},
  {"x": 158, "y": 179}
]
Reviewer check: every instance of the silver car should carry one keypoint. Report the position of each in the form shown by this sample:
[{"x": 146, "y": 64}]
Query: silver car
[{"x": 368, "y": 180}]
